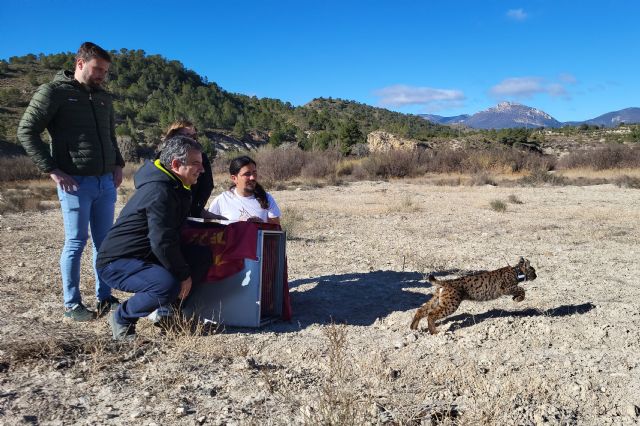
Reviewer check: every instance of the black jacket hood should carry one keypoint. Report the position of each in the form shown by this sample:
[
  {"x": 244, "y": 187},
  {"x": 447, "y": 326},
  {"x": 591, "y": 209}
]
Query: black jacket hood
[{"x": 153, "y": 171}]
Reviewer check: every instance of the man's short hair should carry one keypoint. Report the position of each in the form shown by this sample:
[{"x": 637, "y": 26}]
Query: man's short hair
[
  {"x": 177, "y": 148},
  {"x": 89, "y": 51}
]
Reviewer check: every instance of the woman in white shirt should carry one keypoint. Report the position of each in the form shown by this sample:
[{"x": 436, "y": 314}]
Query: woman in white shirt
[{"x": 246, "y": 199}]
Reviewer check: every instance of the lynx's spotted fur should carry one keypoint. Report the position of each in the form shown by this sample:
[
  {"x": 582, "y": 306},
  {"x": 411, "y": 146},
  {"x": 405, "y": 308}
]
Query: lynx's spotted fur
[{"x": 489, "y": 285}]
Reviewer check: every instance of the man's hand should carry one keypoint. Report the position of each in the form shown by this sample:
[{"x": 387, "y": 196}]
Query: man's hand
[
  {"x": 117, "y": 176},
  {"x": 185, "y": 289},
  {"x": 255, "y": 219},
  {"x": 64, "y": 181}
]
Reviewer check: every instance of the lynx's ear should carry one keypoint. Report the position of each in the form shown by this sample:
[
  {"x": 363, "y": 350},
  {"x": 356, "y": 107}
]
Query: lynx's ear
[{"x": 521, "y": 261}]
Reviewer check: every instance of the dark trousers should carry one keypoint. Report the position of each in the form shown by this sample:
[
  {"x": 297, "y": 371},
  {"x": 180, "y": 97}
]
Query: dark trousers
[{"x": 153, "y": 286}]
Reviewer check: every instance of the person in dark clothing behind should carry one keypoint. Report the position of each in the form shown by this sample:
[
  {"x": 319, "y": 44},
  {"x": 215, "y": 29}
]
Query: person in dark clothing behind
[
  {"x": 201, "y": 190},
  {"x": 141, "y": 253}
]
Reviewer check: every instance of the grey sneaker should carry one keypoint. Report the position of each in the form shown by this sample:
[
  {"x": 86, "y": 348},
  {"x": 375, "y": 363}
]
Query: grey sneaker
[
  {"x": 79, "y": 313},
  {"x": 123, "y": 332},
  {"x": 103, "y": 307}
]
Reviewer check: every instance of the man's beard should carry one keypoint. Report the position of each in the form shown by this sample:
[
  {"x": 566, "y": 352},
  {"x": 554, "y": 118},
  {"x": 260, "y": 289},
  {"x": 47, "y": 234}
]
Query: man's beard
[{"x": 93, "y": 83}]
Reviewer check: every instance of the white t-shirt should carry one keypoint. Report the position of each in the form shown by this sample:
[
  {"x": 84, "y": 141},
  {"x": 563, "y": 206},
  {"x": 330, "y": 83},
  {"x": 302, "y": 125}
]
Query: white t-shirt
[{"x": 234, "y": 207}]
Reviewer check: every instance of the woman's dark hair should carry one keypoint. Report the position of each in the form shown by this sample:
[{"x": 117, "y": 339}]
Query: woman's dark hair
[{"x": 234, "y": 168}]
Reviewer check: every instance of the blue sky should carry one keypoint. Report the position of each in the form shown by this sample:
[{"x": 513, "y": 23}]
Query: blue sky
[{"x": 573, "y": 60}]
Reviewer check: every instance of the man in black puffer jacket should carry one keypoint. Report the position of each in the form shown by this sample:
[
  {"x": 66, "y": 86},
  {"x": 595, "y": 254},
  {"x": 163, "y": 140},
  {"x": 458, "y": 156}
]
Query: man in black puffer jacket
[
  {"x": 142, "y": 253},
  {"x": 83, "y": 160}
]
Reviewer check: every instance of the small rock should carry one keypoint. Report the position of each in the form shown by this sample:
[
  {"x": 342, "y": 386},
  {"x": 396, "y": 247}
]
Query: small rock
[
  {"x": 135, "y": 414},
  {"x": 201, "y": 419},
  {"x": 398, "y": 344},
  {"x": 22, "y": 264},
  {"x": 410, "y": 338},
  {"x": 181, "y": 411},
  {"x": 633, "y": 410}
]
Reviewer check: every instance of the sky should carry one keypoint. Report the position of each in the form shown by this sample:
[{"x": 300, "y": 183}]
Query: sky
[{"x": 574, "y": 60}]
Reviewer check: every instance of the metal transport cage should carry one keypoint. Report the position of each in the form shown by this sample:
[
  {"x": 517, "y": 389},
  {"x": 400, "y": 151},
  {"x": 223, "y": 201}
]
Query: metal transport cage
[{"x": 251, "y": 298}]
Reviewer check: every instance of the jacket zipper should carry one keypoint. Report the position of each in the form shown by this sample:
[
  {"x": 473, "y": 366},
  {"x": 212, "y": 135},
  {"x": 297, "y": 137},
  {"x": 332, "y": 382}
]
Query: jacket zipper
[{"x": 95, "y": 119}]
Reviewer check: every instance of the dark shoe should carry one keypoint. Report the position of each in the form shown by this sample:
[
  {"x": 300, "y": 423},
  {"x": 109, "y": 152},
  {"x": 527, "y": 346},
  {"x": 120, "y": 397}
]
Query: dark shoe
[
  {"x": 123, "y": 332},
  {"x": 103, "y": 307},
  {"x": 79, "y": 313}
]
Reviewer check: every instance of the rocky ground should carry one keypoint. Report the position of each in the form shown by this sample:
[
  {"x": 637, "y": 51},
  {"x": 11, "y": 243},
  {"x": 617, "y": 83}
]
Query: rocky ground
[{"x": 567, "y": 354}]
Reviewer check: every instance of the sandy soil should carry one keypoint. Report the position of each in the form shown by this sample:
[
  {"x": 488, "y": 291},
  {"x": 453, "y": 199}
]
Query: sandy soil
[{"x": 567, "y": 354}]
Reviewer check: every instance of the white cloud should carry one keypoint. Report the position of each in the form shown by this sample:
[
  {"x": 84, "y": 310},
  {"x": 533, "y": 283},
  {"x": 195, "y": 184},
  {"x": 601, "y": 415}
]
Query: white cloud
[
  {"x": 527, "y": 87},
  {"x": 517, "y": 14},
  {"x": 567, "y": 78},
  {"x": 519, "y": 87},
  {"x": 432, "y": 99}
]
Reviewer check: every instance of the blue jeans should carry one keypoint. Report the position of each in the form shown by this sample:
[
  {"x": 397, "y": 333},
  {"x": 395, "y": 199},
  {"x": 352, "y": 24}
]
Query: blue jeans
[
  {"x": 92, "y": 205},
  {"x": 153, "y": 286}
]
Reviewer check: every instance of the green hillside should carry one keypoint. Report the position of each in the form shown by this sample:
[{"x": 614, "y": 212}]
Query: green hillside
[{"x": 151, "y": 91}]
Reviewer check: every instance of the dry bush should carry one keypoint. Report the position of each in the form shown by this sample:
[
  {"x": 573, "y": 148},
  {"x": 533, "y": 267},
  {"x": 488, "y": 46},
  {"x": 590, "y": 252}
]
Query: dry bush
[
  {"x": 483, "y": 161},
  {"x": 606, "y": 157},
  {"x": 27, "y": 197},
  {"x": 498, "y": 206},
  {"x": 18, "y": 168},
  {"x": 403, "y": 205},
  {"x": 513, "y": 199},
  {"x": 541, "y": 177},
  {"x": 321, "y": 164},
  {"x": 278, "y": 164},
  {"x": 482, "y": 178},
  {"x": 338, "y": 402},
  {"x": 626, "y": 181},
  {"x": 393, "y": 164},
  {"x": 346, "y": 166},
  {"x": 61, "y": 344},
  {"x": 454, "y": 181}
]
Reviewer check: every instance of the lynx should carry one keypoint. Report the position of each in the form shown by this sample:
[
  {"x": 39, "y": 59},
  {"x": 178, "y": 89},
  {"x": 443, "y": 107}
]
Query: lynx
[{"x": 483, "y": 286}]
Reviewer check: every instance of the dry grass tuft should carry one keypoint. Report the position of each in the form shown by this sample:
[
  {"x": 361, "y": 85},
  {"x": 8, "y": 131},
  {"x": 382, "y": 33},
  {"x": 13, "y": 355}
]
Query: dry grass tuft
[
  {"x": 62, "y": 345},
  {"x": 28, "y": 196},
  {"x": 291, "y": 221},
  {"x": 338, "y": 402},
  {"x": 482, "y": 178},
  {"x": 498, "y": 206},
  {"x": 626, "y": 181},
  {"x": 513, "y": 199},
  {"x": 542, "y": 177}
]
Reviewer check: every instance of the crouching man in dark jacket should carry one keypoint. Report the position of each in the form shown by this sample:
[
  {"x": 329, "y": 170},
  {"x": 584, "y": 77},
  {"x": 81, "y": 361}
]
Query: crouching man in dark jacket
[{"x": 141, "y": 253}]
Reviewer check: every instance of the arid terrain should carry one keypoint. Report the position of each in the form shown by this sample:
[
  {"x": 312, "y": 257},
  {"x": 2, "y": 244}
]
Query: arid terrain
[{"x": 358, "y": 258}]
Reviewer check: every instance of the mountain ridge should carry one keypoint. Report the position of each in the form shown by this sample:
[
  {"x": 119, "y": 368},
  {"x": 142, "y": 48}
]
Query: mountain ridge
[{"x": 514, "y": 115}]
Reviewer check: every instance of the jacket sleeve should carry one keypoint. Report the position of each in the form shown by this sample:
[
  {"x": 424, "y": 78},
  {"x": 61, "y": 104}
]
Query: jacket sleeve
[
  {"x": 164, "y": 224},
  {"x": 114, "y": 141},
  {"x": 34, "y": 121}
]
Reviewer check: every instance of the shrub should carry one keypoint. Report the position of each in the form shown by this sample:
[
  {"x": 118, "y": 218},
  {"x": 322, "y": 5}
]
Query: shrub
[
  {"x": 541, "y": 176},
  {"x": 513, "y": 199},
  {"x": 482, "y": 178},
  {"x": 321, "y": 164},
  {"x": 625, "y": 181},
  {"x": 498, "y": 206},
  {"x": 606, "y": 157},
  {"x": 278, "y": 164},
  {"x": 18, "y": 168}
]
